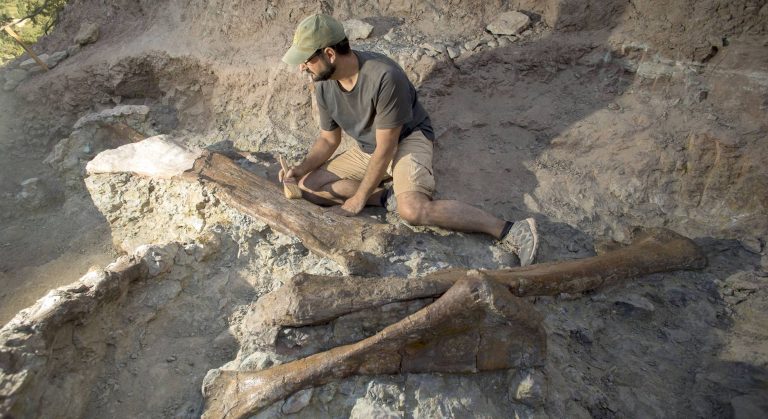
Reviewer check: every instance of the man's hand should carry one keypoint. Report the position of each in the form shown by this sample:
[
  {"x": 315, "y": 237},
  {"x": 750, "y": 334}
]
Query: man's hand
[
  {"x": 351, "y": 207},
  {"x": 292, "y": 176}
]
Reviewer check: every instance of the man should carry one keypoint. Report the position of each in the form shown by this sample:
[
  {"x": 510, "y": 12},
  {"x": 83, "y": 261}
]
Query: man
[{"x": 370, "y": 97}]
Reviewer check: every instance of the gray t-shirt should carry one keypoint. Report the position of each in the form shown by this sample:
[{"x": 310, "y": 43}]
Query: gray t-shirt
[{"x": 383, "y": 97}]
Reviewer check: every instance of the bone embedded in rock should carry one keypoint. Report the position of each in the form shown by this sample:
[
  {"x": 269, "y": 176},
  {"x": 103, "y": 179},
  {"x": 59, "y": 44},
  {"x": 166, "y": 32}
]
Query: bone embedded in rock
[
  {"x": 310, "y": 299},
  {"x": 158, "y": 156},
  {"x": 478, "y": 325},
  {"x": 353, "y": 242}
]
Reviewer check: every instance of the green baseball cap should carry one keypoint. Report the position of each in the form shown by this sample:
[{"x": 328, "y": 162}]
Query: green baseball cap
[{"x": 313, "y": 33}]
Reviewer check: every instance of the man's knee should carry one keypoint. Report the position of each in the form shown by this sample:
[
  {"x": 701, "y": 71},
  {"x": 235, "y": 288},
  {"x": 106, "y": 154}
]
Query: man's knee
[
  {"x": 414, "y": 211},
  {"x": 314, "y": 181}
]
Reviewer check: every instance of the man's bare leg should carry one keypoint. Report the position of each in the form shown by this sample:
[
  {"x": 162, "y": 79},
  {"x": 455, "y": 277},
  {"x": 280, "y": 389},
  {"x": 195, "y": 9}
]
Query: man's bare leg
[
  {"x": 325, "y": 188},
  {"x": 418, "y": 209}
]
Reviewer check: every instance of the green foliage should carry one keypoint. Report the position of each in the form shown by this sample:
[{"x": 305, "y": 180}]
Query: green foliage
[{"x": 39, "y": 18}]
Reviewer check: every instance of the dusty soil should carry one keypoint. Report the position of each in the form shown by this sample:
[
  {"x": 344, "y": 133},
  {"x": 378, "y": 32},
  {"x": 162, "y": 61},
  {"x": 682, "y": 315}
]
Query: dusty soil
[
  {"x": 600, "y": 117},
  {"x": 46, "y": 246}
]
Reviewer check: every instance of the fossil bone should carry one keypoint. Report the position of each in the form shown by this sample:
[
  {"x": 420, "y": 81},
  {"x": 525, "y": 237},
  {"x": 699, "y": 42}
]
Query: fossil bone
[
  {"x": 311, "y": 299},
  {"x": 477, "y": 325},
  {"x": 351, "y": 242}
]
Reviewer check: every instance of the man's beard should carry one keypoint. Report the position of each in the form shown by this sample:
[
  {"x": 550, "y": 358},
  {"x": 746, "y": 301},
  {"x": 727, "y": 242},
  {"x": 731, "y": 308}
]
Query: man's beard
[{"x": 325, "y": 73}]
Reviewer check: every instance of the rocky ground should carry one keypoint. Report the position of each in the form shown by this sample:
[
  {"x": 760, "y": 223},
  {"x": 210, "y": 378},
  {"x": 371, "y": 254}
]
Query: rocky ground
[{"x": 592, "y": 117}]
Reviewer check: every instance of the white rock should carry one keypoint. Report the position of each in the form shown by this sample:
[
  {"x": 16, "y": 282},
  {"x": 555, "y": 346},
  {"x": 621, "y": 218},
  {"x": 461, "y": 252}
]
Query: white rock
[
  {"x": 509, "y": 23},
  {"x": 157, "y": 156},
  {"x": 88, "y": 34},
  {"x": 357, "y": 29},
  {"x": 453, "y": 52}
]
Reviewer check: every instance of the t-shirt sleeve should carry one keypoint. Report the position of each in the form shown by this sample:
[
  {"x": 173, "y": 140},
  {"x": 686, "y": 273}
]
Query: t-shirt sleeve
[
  {"x": 326, "y": 122},
  {"x": 393, "y": 107}
]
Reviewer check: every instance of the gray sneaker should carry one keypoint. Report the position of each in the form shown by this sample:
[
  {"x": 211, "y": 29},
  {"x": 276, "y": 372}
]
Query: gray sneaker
[{"x": 522, "y": 240}]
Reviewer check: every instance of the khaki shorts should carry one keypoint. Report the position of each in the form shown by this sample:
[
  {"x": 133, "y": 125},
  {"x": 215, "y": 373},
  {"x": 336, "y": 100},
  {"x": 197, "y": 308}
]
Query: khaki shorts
[{"x": 410, "y": 170}]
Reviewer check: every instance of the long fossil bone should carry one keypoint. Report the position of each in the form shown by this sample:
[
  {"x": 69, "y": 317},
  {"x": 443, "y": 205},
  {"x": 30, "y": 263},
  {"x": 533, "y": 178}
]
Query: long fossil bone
[
  {"x": 310, "y": 299},
  {"x": 478, "y": 325},
  {"x": 351, "y": 242}
]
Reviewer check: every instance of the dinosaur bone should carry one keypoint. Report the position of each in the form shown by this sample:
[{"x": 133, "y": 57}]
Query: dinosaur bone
[
  {"x": 477, "y": 325},
  {"x": 351, "y": 242},
  {"x": 311, "y": 299}
]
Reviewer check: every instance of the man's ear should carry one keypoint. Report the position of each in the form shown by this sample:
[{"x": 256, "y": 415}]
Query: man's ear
[{"x": 330, "y": 54}]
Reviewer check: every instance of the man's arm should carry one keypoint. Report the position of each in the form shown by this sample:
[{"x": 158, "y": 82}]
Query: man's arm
[
  {"x": 386, "y": 146},
  {"x": 322, "y": 150}
]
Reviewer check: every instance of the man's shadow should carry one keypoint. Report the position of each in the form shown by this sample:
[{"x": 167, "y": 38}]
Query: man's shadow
[{"x": 495, "y": 112}]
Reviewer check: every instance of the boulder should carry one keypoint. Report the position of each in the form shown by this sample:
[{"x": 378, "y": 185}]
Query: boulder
[
  {"x": 509, "y": 23},
  {"x": 357, "y": 29},
  {"x": 88, "y": 34}
]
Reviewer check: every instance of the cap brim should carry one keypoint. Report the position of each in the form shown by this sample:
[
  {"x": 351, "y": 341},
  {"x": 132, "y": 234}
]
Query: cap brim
[{"x": 297, "y": 55}]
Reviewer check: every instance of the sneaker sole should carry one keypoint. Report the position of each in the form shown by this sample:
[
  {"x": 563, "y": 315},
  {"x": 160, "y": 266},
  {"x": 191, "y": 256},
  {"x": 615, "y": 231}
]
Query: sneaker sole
[{"x": 532, "y": 224}]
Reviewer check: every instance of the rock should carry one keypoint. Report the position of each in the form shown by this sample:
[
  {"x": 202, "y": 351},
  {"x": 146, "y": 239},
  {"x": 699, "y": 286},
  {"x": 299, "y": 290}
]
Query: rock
[
  {"x": 30, "y": 63},
  {"x": 366, "y": 408},
  {"x": 157, "y": 156},
  {"x": 382, "y": 400},
  {"x": 297, "y": 402},
  {"x": 33, "y": 194},
  {"x": 471, "y": 45},
  {"x": 453, "y": 52},
  {"x": 635, "y": 302},
  {"x": 88, "y": 34},
  {"x": 450, "y": 396},
  {"x": 745, "y": 282},
  {"x": 752, "y": 244},
  {"x": 157, "y": 258},
  {"x": 73, "y": 49},
  {"x": 35, "y": 70},
  {"x": 138, "y": 112},
  {"x": 509, "y": 23},
  {"x": 749, "y": 406},
  {"x": 357, "y": 29},
  {"x": 56, "y": 58},
  {"x": 528, "y": 387},
  {"x": 258, "y": 361},
  {"x": 14, "y": 77}
]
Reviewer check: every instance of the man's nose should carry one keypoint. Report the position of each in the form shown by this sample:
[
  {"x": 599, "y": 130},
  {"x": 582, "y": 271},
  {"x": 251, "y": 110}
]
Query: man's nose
[{"x": 302, "y": 67}]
